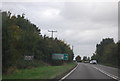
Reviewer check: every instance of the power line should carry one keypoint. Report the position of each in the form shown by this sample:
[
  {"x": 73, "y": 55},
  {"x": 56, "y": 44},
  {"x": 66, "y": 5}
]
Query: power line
[{"x": 52, "y": 32}]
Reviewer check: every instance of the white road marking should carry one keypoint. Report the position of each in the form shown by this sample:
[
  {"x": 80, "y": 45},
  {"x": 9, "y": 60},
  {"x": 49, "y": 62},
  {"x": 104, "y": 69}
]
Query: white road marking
[
  {"x": 69, "y": 73},
  {"x": 108, "y": 74}
]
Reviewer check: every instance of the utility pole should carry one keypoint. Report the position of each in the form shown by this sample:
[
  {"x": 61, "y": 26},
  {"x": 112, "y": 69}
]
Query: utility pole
[
  {"x": 52, "y": 32},
  {"x": 72, "y": 47}
]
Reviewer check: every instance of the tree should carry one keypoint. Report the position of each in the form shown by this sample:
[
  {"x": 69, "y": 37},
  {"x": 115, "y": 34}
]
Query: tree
[
  {"x": 78, "y": 58},
  {"x": 118, "y": 52},
  {"x": 85, "y": 58},
  {"x": 107, "y": 52},
  {"x": 101, "y": 47},
  {"x": 94, "y": 56},
  {"x": 22, "y": 38},
  {"x": 88, "y": 59}
]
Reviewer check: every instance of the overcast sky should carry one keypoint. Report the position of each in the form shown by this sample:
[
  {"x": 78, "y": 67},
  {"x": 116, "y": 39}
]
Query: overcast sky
[{"x": 81, "y": 24}]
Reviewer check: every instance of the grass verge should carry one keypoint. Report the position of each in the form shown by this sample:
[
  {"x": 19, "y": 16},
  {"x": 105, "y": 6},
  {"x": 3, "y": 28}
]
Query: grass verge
[
  {"x": 110, "y": 65},
  {"x": 45, "y": 72}
]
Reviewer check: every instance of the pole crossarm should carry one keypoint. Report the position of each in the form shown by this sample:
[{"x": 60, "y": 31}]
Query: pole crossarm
[{"x": 52, "y": 31}]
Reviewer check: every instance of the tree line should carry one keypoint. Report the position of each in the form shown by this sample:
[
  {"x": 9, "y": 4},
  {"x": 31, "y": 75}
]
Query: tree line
[
  {"x": 22, "y": 38},
  {"x": 85, "y": 59},
  {"x": 107, "y": 52}
]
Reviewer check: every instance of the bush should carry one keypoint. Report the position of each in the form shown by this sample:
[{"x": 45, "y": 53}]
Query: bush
[{"x": 22, "y": 64}]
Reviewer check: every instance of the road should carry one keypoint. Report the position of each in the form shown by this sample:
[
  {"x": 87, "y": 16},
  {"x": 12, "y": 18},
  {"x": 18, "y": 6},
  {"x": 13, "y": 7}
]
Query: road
[{"x": 92, "y": 71}]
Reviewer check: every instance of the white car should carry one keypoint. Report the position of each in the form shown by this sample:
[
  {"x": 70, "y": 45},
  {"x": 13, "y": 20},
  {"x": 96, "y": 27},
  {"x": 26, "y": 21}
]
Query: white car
[{"x": 93, "y": 62}]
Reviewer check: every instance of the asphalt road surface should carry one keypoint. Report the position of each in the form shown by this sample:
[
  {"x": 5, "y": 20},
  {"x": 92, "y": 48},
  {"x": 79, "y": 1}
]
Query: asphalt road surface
[{"x": 92, "y": 71}]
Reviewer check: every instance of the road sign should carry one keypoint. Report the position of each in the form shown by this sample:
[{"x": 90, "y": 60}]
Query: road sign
[
  {"x": 65, "y": 56},
  {"x": 28, "y": 57},
  {"x": 59, "y": 56}
]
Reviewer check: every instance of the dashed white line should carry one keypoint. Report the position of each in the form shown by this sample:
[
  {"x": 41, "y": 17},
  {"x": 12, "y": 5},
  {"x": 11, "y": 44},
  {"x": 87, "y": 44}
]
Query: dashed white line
[
  {"x": 108, "y": 74},
  {"x": 68, "y": 73}
]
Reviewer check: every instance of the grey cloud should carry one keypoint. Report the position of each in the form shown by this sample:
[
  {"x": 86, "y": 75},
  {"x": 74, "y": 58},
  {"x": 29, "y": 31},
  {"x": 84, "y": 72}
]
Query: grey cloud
[{"x": 81, "y": 24}]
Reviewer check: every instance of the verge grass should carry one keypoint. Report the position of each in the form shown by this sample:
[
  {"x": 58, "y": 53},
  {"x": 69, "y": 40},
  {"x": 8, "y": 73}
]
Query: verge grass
[{"x": 45, "y": 72}]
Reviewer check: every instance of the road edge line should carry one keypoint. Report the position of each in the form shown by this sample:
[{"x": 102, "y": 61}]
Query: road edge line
[
  {"x": 108, "y": 74},
  {"x": 69, "y": 73}
]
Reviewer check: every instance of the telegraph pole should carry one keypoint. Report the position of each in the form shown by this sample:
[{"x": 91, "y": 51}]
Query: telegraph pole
[
  {"x": 72, "y": 47},
  {"x": 52, "y": 32}
]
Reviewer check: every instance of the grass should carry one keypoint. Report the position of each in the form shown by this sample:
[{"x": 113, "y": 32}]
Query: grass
[
  {"x": 45, "y": 72},
  {"x": 111, "y": 65}
]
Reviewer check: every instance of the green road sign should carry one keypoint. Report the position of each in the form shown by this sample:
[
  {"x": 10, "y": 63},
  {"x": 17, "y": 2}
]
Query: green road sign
[
  {"x": 65, "y": 56},
  {"x": 59, "y": 56}
]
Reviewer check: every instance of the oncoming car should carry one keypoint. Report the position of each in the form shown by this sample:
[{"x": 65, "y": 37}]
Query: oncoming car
[{"x": 93, "y": 62}]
